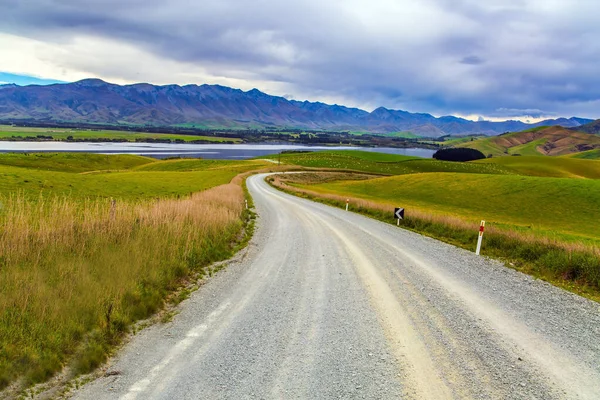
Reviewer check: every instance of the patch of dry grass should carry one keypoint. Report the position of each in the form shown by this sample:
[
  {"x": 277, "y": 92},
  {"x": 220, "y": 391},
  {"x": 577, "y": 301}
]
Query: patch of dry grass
[{"x": 74, "y": 274}]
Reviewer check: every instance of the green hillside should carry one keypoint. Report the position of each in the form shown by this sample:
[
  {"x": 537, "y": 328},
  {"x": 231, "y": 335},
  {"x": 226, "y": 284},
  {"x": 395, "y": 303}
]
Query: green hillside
[
  {"x": 586, "y": 155},
  {"x": 558, "y": 167},
  {"x": 73, "y": 162},
  {"x": 567, "y": 208},
  {"x": 84, "y": 175},
  {"x": 384, "y": 164}
]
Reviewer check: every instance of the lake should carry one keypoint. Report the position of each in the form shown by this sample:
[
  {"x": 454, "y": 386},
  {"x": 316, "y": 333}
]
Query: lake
[{"x": 212, "y": 151}]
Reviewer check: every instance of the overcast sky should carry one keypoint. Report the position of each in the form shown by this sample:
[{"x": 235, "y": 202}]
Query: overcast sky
[{"x": 492, "y": 58}]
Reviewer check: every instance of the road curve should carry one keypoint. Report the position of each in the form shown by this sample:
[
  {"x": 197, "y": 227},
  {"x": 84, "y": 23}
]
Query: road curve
[{"x": 330, "y": 304}]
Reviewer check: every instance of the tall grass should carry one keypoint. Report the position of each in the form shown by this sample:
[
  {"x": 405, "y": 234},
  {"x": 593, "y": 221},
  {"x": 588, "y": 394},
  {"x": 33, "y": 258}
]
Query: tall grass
[
  {"x": 74, "y": 274},
  {"x": 564, "y": 263}
]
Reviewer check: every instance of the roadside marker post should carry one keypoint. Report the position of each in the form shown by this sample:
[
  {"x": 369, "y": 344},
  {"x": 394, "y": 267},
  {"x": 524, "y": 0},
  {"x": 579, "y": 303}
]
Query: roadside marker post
[
  {"x": 347, "y": 202},
  {"x": 246, "y": 204},
  {"x": 398, "y": 214},
  {"x": 480, "y": 239}
]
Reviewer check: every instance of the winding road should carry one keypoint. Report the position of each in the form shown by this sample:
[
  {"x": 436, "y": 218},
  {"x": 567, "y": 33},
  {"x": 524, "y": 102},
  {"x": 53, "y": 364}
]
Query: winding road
[{"x": 328, "y": 304}]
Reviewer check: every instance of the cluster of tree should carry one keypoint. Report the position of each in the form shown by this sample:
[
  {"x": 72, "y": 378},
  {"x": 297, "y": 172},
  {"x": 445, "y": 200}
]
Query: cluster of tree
[{"x": 458, "y": 154}]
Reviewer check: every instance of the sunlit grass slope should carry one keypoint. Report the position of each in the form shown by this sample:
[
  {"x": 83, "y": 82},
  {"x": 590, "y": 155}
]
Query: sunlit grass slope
[
  {"x": 587, "y": 155},
  {"x": 73, "y": 162},
  {"x": 135, "y": 177},
  {"x": 385, "y": 164},
  {"x": 185, "y": 165},
  {"x": 569, "y": 208},
  {"x": 559, "y": 167}
]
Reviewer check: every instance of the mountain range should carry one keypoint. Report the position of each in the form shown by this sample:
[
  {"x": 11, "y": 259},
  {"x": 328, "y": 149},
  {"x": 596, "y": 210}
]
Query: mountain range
[{"x": 215, "y": 106}]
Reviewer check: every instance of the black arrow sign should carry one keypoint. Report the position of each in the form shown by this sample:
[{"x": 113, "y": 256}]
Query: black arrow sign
[{"x": 399, "y": 213}]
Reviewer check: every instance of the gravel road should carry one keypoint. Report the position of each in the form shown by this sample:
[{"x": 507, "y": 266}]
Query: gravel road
[{"x": 326, "y": 304}]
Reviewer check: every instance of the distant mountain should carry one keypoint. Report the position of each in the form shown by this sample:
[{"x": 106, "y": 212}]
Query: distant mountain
[
  {"x": 214, "y": 106},
  {"x": 591, "y": 127}
]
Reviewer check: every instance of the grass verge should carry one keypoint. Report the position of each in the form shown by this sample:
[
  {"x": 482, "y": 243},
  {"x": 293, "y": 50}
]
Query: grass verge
[{"x": 76, "y": 274}]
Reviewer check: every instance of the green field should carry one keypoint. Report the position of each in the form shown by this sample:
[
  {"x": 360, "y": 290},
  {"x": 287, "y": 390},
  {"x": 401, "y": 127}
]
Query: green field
[
  {"x": 13, "y": 133},
  {"x": 77, "y": 269},
  {"x": 72, "y": 162},
  {"x": 554, "y": 207},
  {"x": 455, "y": 141},
  {"x": 557, "y": 167},
  {"x": 551, "y": 196},
  {"x": 586, "y": 155},
  {"x": 119, "y": 176},
  {"x": 528, "y": 149},
  {"x": 384, "y": 164},
  {"x": 391, "y": 164},
  {"x": 185, "y": 165}
]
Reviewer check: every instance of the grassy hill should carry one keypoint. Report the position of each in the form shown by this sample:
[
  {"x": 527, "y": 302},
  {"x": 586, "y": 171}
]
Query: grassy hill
[
  {"x": 586, "y": 155},
  {"x": 389, "y": 164},
  {"x": 80, "y": 175},
  {"x": 568, "y": 208},
  {"x": 384, "y": 164},
  {"x": 73, "y": 162},
  {"x": 551, "y": 141},
  {"x": 557, "y": 167}
]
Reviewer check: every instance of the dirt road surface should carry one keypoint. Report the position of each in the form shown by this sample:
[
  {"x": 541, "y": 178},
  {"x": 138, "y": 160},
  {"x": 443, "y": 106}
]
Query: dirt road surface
[{"x": 328, "y": 304}]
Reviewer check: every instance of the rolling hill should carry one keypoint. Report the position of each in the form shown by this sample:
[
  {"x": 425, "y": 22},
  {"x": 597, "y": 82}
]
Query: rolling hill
[
  {"x": 214, "y": 106},
  {"x": 551, "y": 141}
]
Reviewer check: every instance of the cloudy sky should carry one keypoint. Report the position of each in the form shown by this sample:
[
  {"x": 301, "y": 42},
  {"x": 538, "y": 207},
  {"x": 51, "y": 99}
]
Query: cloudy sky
[{"x": 493, "y": 58}]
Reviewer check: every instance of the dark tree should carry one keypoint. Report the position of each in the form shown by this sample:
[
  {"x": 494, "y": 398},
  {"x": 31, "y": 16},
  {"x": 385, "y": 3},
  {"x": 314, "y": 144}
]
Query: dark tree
[{"x": 458, "y": 154}]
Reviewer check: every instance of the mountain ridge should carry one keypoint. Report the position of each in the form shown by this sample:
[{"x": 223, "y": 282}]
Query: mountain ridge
[
  {"x": 591, "y": 127},
  {"x": 96, "y": 101}
]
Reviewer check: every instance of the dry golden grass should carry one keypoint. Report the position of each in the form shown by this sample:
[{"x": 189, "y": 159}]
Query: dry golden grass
[{"x": 75, "y": 274}]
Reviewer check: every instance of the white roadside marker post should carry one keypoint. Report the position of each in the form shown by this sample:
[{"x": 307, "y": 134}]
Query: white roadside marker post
[
  {"x": 347, "y": 202},
  {"x": 246, "y": 204},
  {"x": 480, "y": 239}
]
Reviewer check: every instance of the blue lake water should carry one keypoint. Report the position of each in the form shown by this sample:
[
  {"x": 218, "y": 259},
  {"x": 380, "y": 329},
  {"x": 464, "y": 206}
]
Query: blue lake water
[{"x": 212, "y": 151}]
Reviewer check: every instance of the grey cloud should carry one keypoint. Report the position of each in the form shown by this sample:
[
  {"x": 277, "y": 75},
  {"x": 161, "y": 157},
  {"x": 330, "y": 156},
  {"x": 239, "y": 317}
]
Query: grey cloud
[
  {"x": 465, "y": 56},
  {"x": 472, "y": 60}
]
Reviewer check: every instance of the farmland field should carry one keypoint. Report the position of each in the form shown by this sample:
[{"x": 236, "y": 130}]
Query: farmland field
[{"x": 14, "y": 133}]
